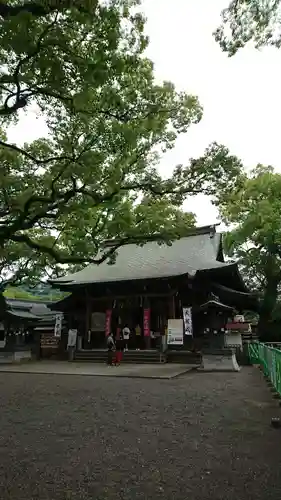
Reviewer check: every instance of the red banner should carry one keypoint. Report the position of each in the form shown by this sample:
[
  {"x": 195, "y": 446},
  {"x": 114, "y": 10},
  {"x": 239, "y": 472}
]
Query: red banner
[
  {"x": 108, "y": 314},
  {"x": 238, "y": 326},
  {"x": 146, "y": 322}
]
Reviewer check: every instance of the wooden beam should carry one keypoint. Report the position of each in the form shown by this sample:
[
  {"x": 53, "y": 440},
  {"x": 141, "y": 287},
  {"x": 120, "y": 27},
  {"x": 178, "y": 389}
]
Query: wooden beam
[
  {"x": 172, "y": 307},
  {"x": 122, "y": 297},
  {"x": 88, "y": 315}
]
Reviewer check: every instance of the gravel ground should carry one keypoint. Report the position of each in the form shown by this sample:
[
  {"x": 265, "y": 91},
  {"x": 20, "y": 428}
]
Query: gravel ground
[{"x": 202, "y": 436}]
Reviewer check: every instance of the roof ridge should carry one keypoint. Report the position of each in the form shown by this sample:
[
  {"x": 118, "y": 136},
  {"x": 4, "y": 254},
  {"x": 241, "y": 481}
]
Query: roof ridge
[{"x": 193, "y": 231}]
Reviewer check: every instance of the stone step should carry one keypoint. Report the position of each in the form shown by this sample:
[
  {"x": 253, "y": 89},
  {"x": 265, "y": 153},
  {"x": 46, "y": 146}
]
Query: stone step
[
  {"x": 128, "y": 357},
  {"x": 145, "y": 356}
]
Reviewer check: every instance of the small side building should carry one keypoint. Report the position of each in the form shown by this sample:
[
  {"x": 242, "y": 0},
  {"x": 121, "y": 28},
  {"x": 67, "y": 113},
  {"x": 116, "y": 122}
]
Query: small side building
[{"x": 26, "y": 330}]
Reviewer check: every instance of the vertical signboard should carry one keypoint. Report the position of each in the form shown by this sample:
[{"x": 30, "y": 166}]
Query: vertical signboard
[
  {"x": 187, "y": 321},
  {"x": 175, "y": 332},
  {"x": 146, "y": 322},
  {"x": 58, "y": 325},
  {"x": 98, "y": 322}
]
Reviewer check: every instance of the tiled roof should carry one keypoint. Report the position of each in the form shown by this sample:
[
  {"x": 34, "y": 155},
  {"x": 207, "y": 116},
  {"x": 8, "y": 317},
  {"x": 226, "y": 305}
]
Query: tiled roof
[
  {"x": 22, "y": 314},
  {"x": 185, "y": 256}
]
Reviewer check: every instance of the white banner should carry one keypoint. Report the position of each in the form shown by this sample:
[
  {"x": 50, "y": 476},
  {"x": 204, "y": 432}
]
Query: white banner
[
  {"x": 175, "y": 332},
  {"x": 187, "y": 321},
  {"x": 72, "y": 338},
  {"x": 58, "y": 325}
]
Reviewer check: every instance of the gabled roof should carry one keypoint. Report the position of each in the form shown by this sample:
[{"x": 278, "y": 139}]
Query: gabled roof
[
  {"x": 25, "y": 303},
  {"x": 240, "y": 299},
  {"x": 22, "y": 314},
  {"x": 214, "y": 304},
  {"x": 197, "y": 252},
  {"x": 26, "y": 309}
]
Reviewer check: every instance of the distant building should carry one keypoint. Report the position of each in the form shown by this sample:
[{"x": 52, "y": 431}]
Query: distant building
[{"x": 26, "y": 329}]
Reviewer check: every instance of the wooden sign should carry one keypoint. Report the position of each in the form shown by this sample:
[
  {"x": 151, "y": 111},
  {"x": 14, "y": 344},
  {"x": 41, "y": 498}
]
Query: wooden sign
[
  {"x": 98, "y": 320},
  {"x": 175, "y": 332}
]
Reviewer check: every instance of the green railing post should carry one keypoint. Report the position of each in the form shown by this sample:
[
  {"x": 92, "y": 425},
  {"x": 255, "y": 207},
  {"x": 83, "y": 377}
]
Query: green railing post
[{"x": 269, "y": 358}]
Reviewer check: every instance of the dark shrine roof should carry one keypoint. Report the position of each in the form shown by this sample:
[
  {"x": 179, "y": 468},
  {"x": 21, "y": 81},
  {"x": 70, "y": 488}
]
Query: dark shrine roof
[
  {"x": 237, "y": 298},
  {"x": 198, "y": 252},
  {"x": 214, "y": 304}
]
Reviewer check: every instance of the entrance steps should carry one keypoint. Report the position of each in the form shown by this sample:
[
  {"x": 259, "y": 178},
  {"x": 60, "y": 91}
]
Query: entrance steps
[
  {"x": 143, "y": 356},
  {"x": 100, "y": 356}
]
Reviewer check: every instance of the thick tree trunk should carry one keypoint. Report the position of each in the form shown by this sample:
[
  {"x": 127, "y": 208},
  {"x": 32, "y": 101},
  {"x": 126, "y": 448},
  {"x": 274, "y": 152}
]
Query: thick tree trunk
[{"x": 267, "y": 307}]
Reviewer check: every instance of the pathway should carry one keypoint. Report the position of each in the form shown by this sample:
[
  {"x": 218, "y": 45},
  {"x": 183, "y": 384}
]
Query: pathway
[
  {"x": 161, "y": 371},
  {"x": 197, "y": 437}
]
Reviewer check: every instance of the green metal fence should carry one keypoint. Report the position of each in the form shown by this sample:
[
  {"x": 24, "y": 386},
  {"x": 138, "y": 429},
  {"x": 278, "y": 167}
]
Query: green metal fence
[{"x": 269, "y": 358}]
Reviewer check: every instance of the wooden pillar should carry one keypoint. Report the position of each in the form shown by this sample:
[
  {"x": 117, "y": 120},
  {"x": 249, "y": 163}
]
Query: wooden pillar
[
  {"x": 87, "y": 337},
  {"x": 172, "y": 308},
  {"x": 119, "y": 325}
]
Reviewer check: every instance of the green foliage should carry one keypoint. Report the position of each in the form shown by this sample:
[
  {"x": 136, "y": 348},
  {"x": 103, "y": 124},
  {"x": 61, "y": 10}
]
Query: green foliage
[
  {"x": 95, "y": 177},
  {"x": 17, "y": 293},
  {"x": 253, "y": 211},
  {"x": 53, "y": 55},
  {"x": 249, "y": 20}
]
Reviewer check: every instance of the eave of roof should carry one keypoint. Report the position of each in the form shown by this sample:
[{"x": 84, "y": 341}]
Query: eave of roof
[
  {"x": 215, "y": 304},
  {"x": 22, "y": 314},
  {"x": 241, "y": 300}
]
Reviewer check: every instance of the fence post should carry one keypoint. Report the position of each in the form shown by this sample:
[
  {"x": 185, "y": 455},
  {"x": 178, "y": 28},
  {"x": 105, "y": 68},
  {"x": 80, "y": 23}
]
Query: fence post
[{"x": 269, "y": 358}]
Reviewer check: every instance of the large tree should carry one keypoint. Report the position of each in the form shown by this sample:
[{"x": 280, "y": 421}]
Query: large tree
[
  {"x": 254, "y": 211},
  {"x": 53, "y": 215},
  {"x": 244, "y": 21},
  {"x": 95, "y": 176}
]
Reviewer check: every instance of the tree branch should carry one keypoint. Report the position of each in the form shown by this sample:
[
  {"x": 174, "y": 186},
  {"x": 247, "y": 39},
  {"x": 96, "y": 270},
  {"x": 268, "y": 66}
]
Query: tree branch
[
  {"x": 21, "y": 100},
  {"x": 38, "y": 9},
  {"x": 13, "y": 147},
  {"x": 16, "y": 277},
  {"x": 74, "y": 259},
  {"x": 59, "y": 257}
]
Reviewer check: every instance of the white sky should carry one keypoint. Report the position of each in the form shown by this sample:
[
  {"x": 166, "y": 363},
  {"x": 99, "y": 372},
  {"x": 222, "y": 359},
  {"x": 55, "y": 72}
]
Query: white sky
[{"x": 241, "y": 95}]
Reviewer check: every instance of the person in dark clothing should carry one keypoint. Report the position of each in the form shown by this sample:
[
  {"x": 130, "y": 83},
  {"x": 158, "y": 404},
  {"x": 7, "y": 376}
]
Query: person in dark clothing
[
  {"x": 110, "y": 349},
  {"x": 119, "y": 351}
]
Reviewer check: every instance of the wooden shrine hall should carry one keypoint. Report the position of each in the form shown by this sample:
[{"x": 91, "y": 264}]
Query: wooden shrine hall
[{"x": 164, "y": 293}]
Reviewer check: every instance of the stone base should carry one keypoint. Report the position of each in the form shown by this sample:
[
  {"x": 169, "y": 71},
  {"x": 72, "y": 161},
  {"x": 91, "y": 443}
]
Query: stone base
[
  {"x": 71, "y": 352},
  {"x": 220, "y": 361},
  {"x": 12, "y": 357}
]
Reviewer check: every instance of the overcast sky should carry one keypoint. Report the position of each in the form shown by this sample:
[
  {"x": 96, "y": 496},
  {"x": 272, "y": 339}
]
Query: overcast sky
[{"x": 241, "y": 96}]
